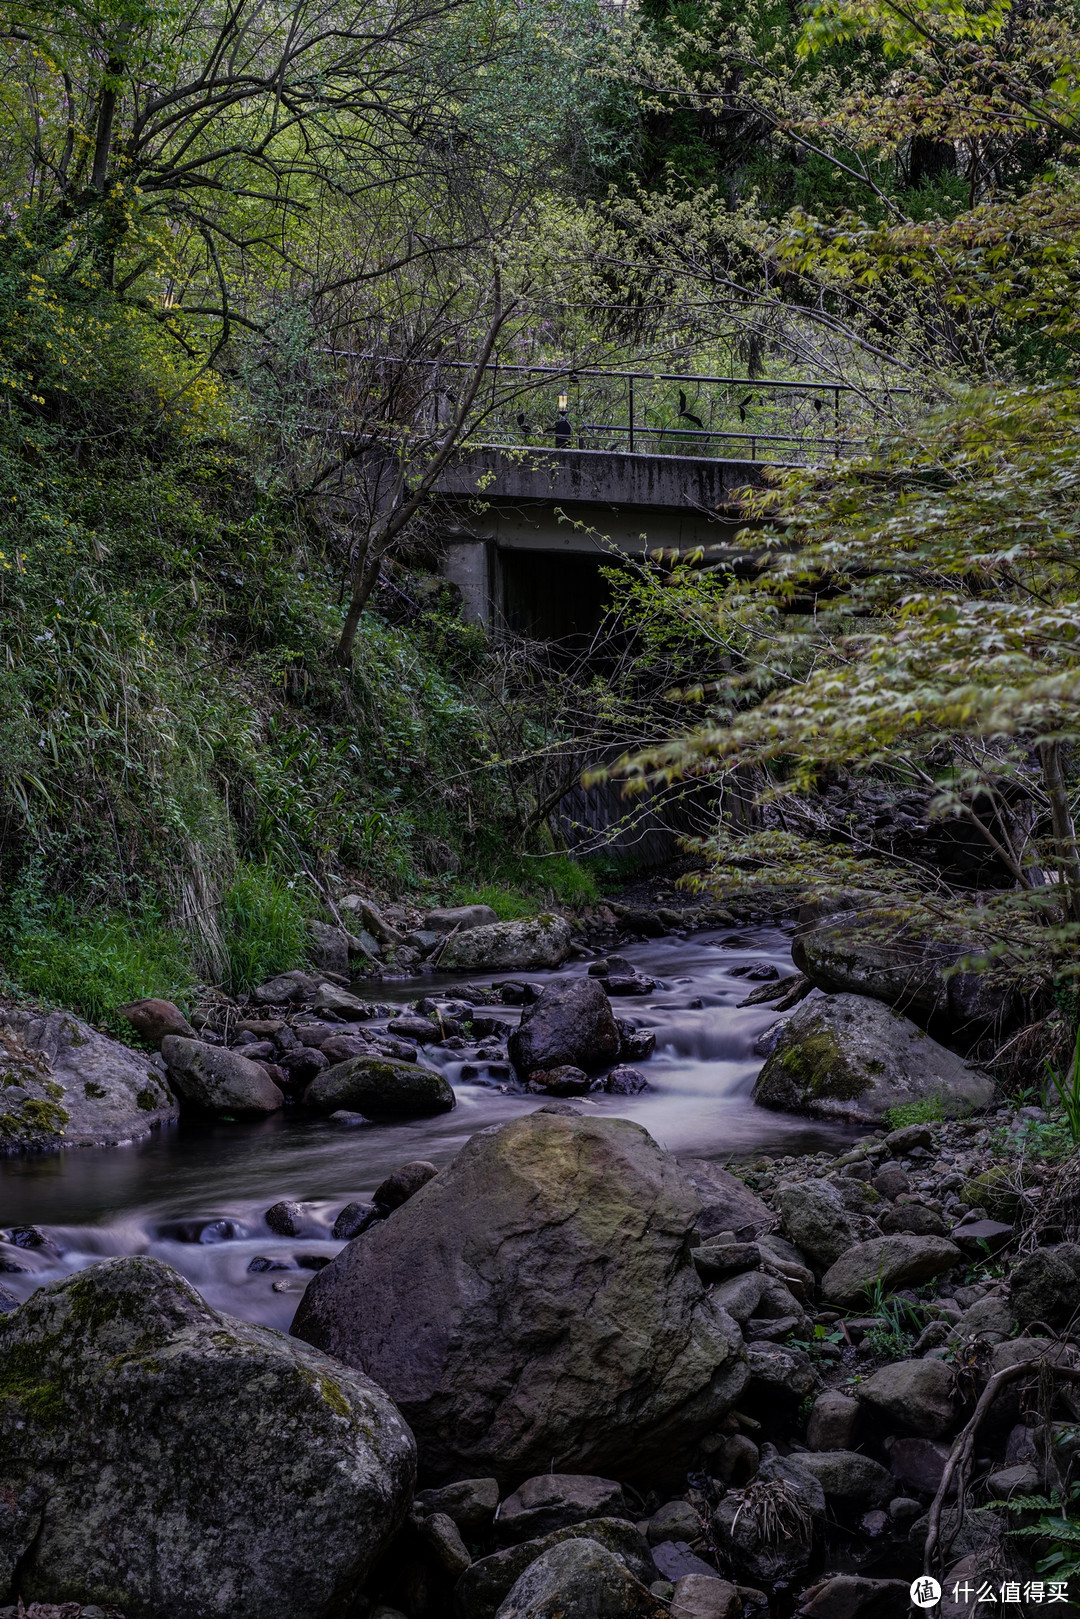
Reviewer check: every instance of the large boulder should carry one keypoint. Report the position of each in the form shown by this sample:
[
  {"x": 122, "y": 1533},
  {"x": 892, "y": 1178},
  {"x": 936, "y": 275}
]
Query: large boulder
[
  {"x": 570, "y": 1022},
  {"x": 848, "y": 1478},
  {"x": 878, "y": 951},
  {"x": 580, "y": 1579},
  {"x": 153, "y": 1019},
  {"x": 217, "y": 1080},
  {"x": 378, "y": 1085},
  {"x": 534, "y": 1307},
  {"x": 901, "y": 1260},
  {"x": 849, "y": 1057},
  {"x": 541, "y": 941},
  {"x": 179, "y": 1464},
  {"x": 65, "y": 1085},
  {"x": 1045, "y": 1286}
]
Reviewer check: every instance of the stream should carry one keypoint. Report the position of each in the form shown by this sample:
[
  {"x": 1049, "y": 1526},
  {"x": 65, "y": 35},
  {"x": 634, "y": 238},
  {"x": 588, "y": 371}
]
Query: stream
[{"x": 195, "y": 1195}]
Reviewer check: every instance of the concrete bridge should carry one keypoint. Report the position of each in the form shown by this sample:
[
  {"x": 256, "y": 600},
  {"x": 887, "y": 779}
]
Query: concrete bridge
[{"x": 528, "y": 529}]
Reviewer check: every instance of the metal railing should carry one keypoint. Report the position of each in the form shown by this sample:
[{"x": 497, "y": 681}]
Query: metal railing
[{"x": 637, "y": 411}]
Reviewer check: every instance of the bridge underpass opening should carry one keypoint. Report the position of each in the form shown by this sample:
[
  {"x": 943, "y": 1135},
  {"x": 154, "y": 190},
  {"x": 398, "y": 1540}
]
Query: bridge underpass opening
[{"x": 552, "y": 596}]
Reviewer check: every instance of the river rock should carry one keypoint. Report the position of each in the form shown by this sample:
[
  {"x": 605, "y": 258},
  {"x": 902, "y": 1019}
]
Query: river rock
[
  {"x": 849, "y": 1057},
  {"x": 67, "y": 1085},
  {"x": 580, "y": 1580},
  {"x": 485, "y": 1585},
  {"x": 563, "y": 1081},
  {"x": 471, "y": 1503},
  {"x": 914, "y": 1395},
  {"x": 832, "y": 1421},
  {"x": 380, "y": 1085},
  {"x": 286, "y": 1219},
  {"x": 554, "y": 1500},
  {"x": 879, "y": 952},
  {"x": 777, "y": 1546},
  {"x": 1045, "y": 1285},
  {"x": 332, "y": 998},
  {"x": 541, "y": 941},
  {"x": 814, "y": 1217},
  {"x": 371, "y": 919},
  {"x": 571, "y": 1023},
  {"x": 728, "y": 1204},
  {"x": 624, "y": 1081},
  {"x": 897, "y": 1261},
  {"x": 403, "y": 1183},
  {"x": 849, "y": 1478},
  {"x": 850, "y": 1596},
  {"x": 328, "y": 948},
  {"x": 286, "y": 989},
  {"x": 152, "y": 1020},
  {"x": 217, "y": 1080},
  {"x": 178, "y": 1463},
  {"x": 461, "y": 917},
  {"x": 703, "y": 1596},
  {"x": 535, "y": 1307}
]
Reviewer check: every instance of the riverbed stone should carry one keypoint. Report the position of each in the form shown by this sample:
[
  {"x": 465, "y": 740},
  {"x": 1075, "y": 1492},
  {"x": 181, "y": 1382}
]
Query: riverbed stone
[
  {"x": 849, "y": 1478},
  {"x": 539, "y": 941},
  {"x": 483, "y": 1587},
  {"x": 153, "y": 1019},
  {"x": 915, "y": 1395},
  {"x": 460, "y": 917},
  {"x": 62, "y": 1084},
  {"x": 553, "y": 1500},
  {"x": 535, "y": 1306},
  {"x": 216, "y": 1080},
  {"x": 704, "y": 1596},
  {"x": 815, "y": 1219},
  {"x": 403, "y": 1183},
  {"x": 176, "y": 1462},
  {"x": 571, "y": 1023},
  {"x": 727, "y": 1203},
  {"x": 1045, "y": 1285},
  {"x": 849, "y": 1057},
  {"x": 833, "y": 1419},
  {"x": 471, "y": 1503},
  {"x": 291, "y": 988},
  {"x": 380, "y": 1085},
  {"x": 580, "y": 1579},
  {"x": 901, "y": 1260}
]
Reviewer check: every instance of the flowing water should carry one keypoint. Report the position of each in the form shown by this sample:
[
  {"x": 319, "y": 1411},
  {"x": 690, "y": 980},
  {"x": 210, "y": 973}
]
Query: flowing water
[{"x": 195, "y": 1195}]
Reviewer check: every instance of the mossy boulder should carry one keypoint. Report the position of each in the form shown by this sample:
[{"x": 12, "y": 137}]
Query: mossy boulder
[
  {"x": 62, "y": 1084},
  {"x": 539, "y": 941},
  {"x": 879, "y": 951},
  {"x": 486, "y": 1585},
  {"x": 535, "y": 1307},
  {"x": 179, "y": 1464},
  {"x": 850, "y": 1057},
  {"x": 380, "y": 1085},
  {"x": 998, "y": 1190}
]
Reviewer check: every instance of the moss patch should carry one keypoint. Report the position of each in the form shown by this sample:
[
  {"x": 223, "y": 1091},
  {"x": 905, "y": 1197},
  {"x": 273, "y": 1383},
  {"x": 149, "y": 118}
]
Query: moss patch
[{"x": 817, "y": 1065}]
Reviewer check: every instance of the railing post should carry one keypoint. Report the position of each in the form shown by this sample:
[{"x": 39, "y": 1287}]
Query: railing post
[
  {"x": 836, "y": 417},
  {"x": 631, "y": 415}
]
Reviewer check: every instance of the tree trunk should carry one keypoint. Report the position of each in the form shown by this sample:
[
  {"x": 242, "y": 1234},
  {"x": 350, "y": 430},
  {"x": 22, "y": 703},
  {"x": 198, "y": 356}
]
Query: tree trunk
[{"x": 1066, "y": 853}]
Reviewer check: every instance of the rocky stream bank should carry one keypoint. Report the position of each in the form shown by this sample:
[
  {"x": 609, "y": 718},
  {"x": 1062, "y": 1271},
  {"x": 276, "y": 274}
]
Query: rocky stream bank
[{"x": 563, "y": 1374}]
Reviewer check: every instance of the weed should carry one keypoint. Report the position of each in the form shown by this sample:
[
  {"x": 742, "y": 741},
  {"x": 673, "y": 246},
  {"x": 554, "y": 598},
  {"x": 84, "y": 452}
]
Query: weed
[
  {"x": 931, "y": 1110},
  {"x": 263, "y": 927},
  {"x": 900, "y": 1325},
  {"x": 1067, "y": 1086},
  {"x": 1058, "y": 1523}
]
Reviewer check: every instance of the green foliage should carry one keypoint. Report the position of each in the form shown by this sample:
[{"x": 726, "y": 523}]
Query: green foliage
[
  {"x": 930, "y": 1110},
  {"x": 1067, "y": 1087},
  {"x": 532, "y": 884},
  {"x": 1057, "y": 1524},
  {"x": 94, "y": 964},
  {"x": 899, "y": 1325},
  {"x": 263, "y": 926}
]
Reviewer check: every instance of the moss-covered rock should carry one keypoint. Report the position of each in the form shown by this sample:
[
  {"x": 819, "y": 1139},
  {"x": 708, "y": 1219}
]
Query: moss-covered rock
[
  {"x": 380, "y": 1085},
  {"x": 849, "y": 1057},
  {"x": 62, "y": 1084},
  {"x": 182, "y": 1465}
]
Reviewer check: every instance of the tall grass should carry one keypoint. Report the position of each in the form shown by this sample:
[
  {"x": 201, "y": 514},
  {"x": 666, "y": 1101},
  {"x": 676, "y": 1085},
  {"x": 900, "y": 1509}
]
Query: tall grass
[{"x": 263, "y": 926}]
